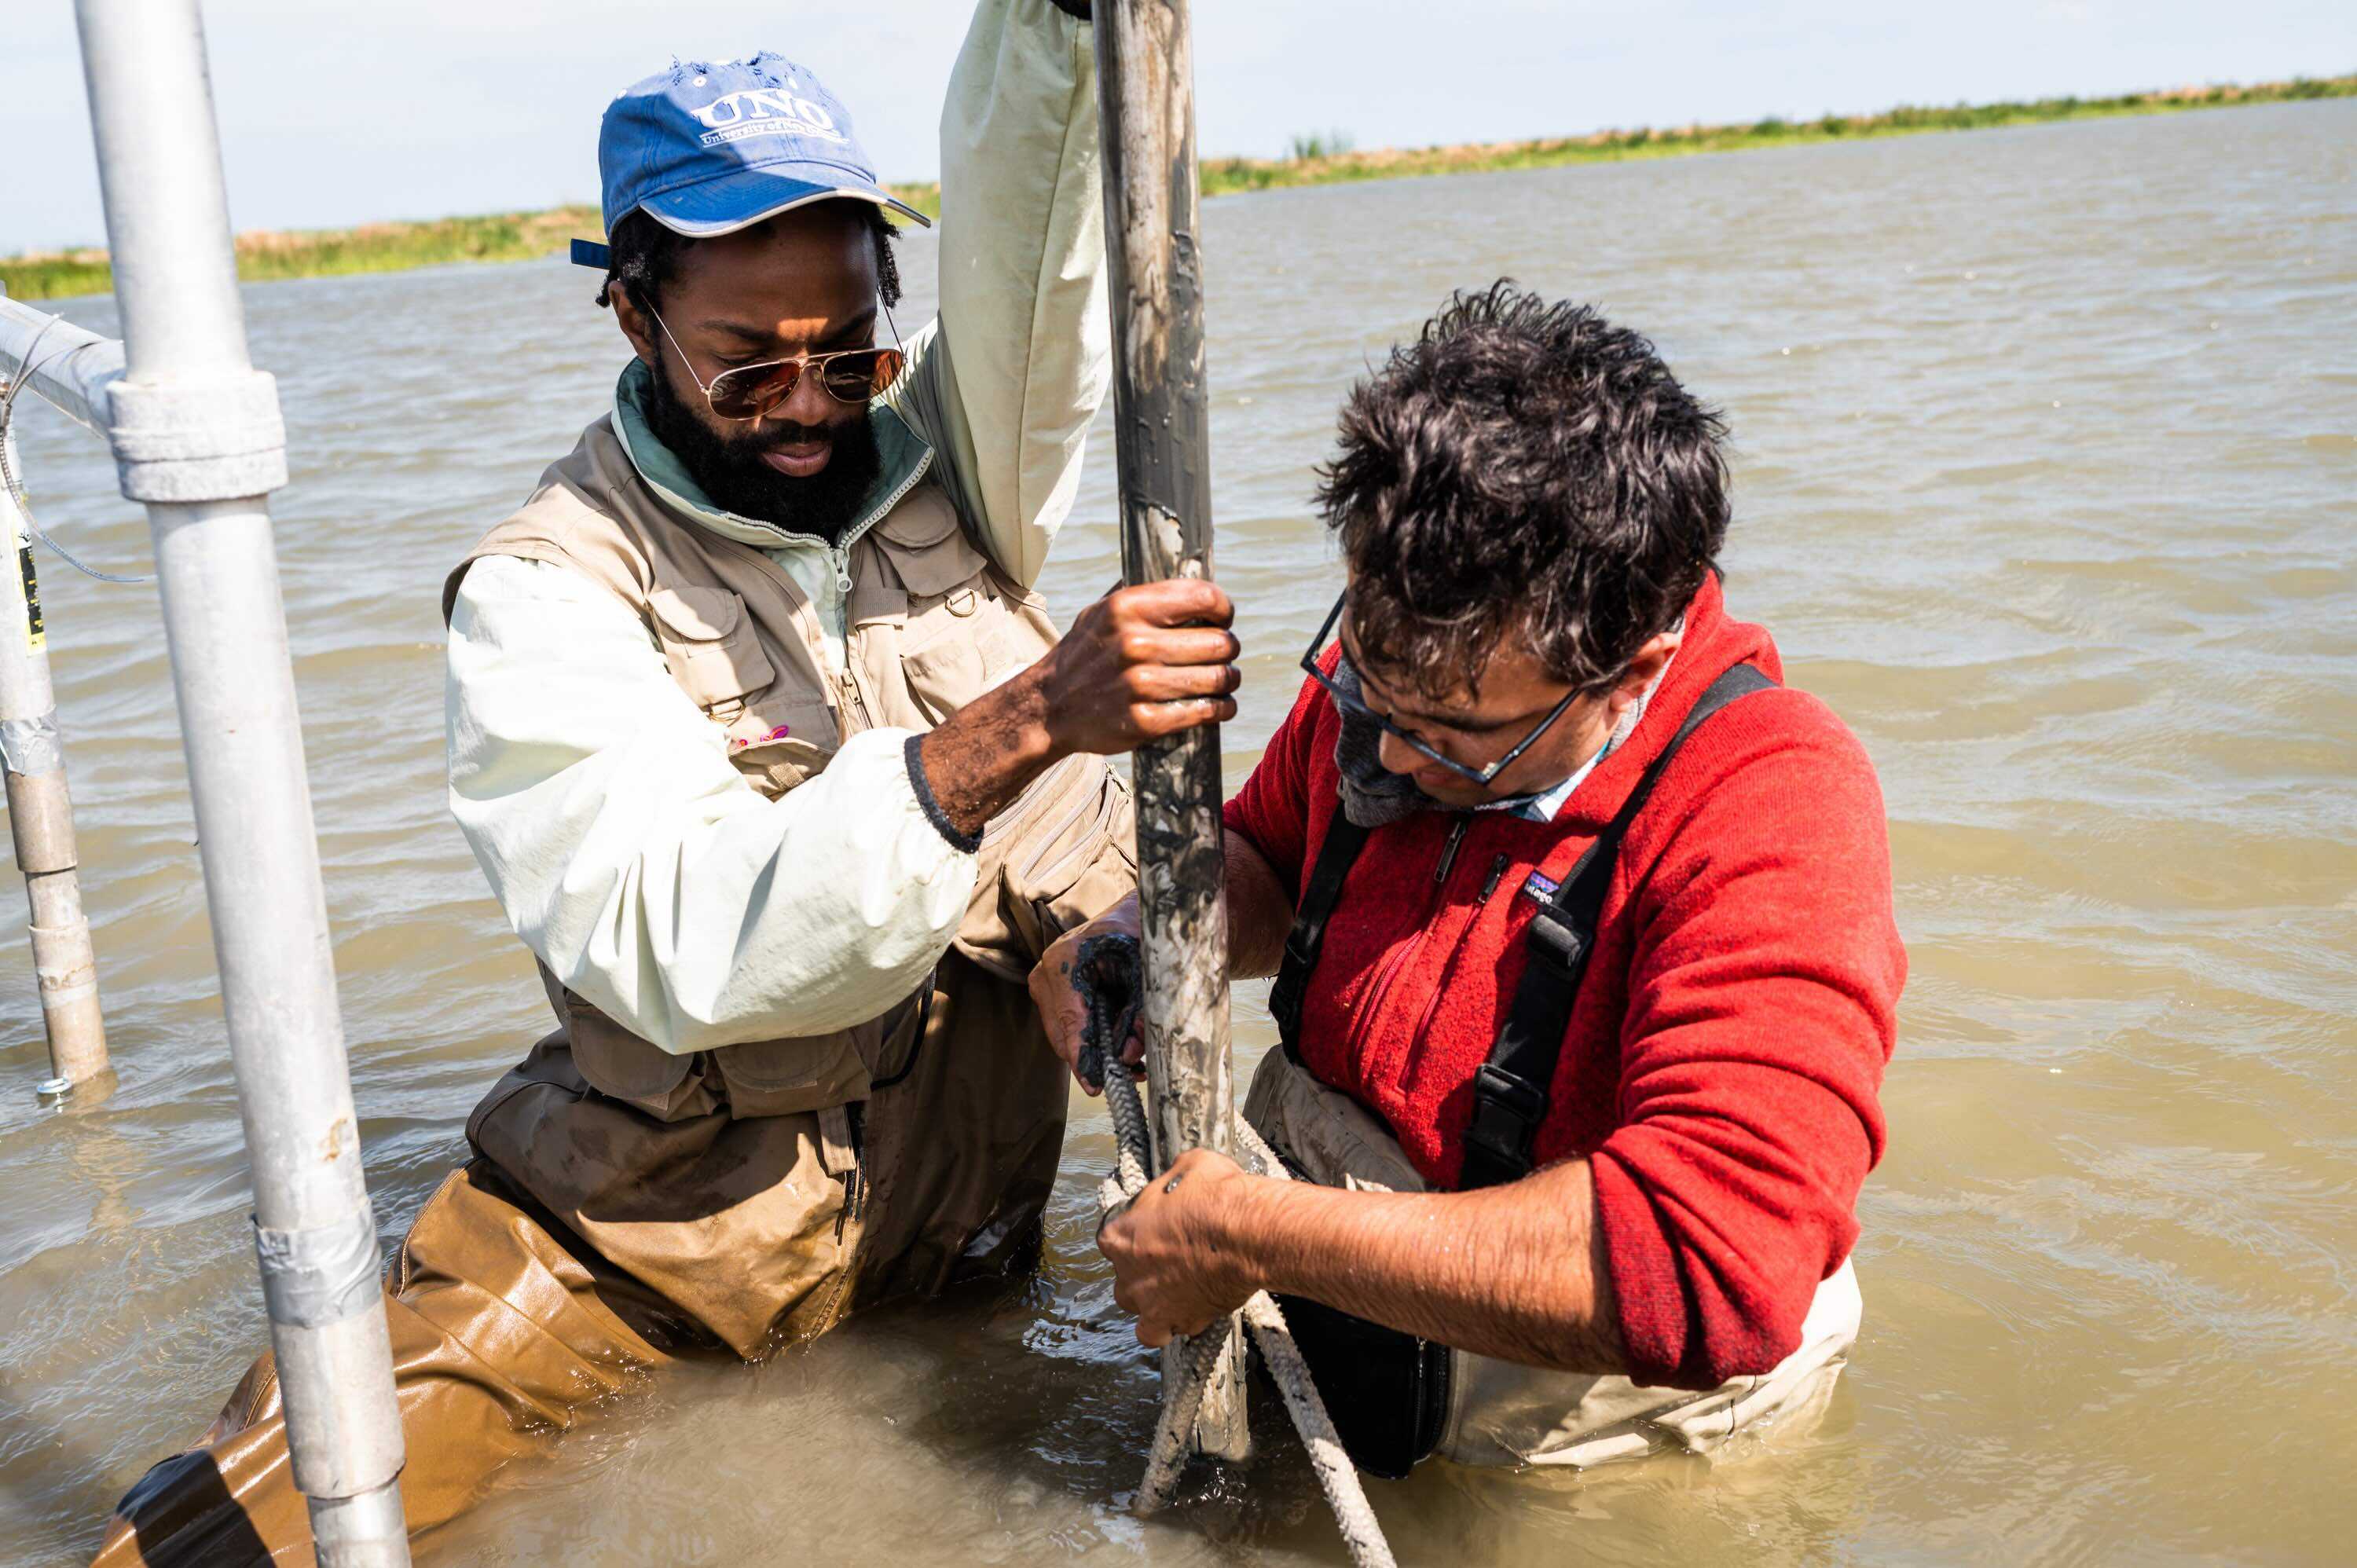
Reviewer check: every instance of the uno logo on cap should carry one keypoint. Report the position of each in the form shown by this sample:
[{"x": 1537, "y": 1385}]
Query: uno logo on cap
[{"x": 764, "y": 112}]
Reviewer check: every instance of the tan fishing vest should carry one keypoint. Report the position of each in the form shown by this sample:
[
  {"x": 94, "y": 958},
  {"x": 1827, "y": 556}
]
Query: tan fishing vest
[
  {"x": 1503, "y": 1414},
  {"x": 930, "y": 625}
]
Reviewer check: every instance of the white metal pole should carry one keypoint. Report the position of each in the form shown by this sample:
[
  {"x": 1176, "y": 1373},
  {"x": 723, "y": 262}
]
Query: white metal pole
[
  {"x": 197, "y": 437},
  {"x": 40, "y": 814}
]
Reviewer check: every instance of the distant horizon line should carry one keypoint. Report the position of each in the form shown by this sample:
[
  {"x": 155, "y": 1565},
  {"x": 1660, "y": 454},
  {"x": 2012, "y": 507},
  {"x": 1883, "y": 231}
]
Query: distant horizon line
[{"x": 398, "y": 245}]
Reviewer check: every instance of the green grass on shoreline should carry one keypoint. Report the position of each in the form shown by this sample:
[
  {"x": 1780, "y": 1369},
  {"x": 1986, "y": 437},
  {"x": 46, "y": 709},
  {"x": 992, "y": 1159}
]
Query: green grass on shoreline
[{"x": 523, "y": 236}]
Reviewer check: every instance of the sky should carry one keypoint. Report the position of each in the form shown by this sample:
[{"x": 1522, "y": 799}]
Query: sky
[{"x": 336, "y": 114}]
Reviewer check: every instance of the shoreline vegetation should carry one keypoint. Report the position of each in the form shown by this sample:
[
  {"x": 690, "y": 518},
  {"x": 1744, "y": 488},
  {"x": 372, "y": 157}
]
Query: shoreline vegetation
[{"x": 1316, "y": 160}]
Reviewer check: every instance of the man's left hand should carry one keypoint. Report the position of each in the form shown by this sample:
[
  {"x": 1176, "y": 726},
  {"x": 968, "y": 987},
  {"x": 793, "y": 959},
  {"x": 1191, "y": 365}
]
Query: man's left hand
[{"x": 1174, "y": 1264}]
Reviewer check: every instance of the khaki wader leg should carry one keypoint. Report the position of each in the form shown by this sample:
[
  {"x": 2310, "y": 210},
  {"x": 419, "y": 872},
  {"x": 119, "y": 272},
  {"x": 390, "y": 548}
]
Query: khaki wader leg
[
  {"x": 961, "y": 1153},
  {"x": 499, "y": 1335},
  {"x": 590, "y": 1242}
]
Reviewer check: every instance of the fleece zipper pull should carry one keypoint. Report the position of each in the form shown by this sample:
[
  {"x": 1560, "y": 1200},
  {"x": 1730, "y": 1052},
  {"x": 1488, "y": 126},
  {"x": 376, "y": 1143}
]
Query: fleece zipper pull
[
  {"x": 1448, "y": 854},
  {"x": 842, "y": 560}
]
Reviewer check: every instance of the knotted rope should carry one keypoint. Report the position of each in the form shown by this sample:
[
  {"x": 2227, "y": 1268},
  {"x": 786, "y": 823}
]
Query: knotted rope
[{"x": 1198, "y": 1357}]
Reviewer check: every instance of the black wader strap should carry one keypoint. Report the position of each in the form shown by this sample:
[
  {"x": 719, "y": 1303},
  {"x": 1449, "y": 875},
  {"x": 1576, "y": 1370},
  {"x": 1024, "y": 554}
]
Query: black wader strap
[
  {"x": 1344, "y": 839},
  {"x": 1510, "y": 1091}
]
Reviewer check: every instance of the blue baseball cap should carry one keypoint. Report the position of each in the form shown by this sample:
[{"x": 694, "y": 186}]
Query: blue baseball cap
[{"x": 712, "y": 148}]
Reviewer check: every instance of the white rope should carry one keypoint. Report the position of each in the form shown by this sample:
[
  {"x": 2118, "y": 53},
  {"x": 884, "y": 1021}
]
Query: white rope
[{"x": 1200, "y": 1355}]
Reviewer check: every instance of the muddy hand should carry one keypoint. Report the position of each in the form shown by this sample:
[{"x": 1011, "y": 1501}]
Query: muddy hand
[
  {"x": 1141, "y": 663},
  {"x": 1087, "y": 990},
  {"x": 1169, "y": 1267}
]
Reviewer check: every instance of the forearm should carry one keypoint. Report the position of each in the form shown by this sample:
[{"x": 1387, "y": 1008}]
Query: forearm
[
  {"x": 1517, "y": 1271},
  {"x": 981, "y": 758},
  {"x": 1140, "y": 664}
]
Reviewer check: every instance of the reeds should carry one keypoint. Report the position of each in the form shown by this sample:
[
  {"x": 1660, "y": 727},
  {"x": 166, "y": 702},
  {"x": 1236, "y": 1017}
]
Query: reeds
[{"x": 1323, "y": 158}]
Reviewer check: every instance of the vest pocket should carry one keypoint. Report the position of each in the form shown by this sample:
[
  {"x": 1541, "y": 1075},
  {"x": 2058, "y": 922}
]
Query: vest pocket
[
  {"x": 782, "y": 1078},
  {"x": 710, "y": 643},
  {"x": 1082, "y": 864},
  {"x": 777, "y": 766},
  {"x": 617, "y": 1062},
  {"x": 777, "y": 763},
  {"x": 945, "y": 672},
  {"x": 957, "y": 645},
  {"x": 1064, "y": 852}
]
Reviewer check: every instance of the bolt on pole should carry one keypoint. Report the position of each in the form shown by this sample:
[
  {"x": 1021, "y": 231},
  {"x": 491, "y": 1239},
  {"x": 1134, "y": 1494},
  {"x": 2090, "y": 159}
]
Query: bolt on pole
[
  {"x": 40, "y": 814},
  {"x": 197, "y": 437},
  {"x": 1146, "y": 100}
]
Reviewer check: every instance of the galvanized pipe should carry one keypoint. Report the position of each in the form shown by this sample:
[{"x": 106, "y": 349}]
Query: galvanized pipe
[
  {"x": 40, "y": 814},
  {"x": 70, "y": 368},
  {"x": 197, "y": 436},
  {"x": 1146, "y": 100}
]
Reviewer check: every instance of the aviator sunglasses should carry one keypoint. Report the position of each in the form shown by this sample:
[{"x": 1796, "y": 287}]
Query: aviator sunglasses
[
  {"x": 854, "y": 376},
  {"x": 1356, "y": 708}
]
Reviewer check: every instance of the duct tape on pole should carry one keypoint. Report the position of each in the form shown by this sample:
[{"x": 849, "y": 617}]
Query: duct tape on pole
[
  {"x": 198, "y": 438},
  {"x": 1146, "y": 109}
]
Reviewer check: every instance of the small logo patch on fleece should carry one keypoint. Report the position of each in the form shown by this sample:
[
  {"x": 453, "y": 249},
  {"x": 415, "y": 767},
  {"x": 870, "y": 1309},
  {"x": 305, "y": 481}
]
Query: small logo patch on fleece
[{"x": 1540, "y": 887}]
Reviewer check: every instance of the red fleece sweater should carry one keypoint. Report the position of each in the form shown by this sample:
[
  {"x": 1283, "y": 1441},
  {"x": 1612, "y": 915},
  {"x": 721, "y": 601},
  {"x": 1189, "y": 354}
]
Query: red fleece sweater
[{"x": 1721, "y": 1069}]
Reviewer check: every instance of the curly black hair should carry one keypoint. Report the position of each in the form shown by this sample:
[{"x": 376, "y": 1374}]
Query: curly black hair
[
  {"x": 1525, "y": 468},
  {"x": 643, "y": 255}
]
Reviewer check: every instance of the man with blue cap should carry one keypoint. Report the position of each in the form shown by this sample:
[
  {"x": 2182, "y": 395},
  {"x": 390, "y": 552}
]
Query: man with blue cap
[{"x": 775, "y": 762}]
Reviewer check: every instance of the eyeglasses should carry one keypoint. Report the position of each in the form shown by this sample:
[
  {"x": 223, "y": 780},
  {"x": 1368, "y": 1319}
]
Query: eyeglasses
[
  {"x": 854, "y": 376},
  {"x": 1353, "y": 706}
]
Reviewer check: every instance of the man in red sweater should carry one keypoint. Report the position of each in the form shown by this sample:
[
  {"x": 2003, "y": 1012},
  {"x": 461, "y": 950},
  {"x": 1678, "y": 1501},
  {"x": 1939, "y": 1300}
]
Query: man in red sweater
[{"x": 1584, "y": 921}]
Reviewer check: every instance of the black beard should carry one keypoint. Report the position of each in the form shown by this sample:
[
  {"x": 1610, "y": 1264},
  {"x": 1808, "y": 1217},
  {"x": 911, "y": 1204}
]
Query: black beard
[{"x": 731, "y": 473}]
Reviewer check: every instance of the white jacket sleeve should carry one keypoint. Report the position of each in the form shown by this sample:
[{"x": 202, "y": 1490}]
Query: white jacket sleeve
[
  {"x": 641, "y": 867},
  {"x": 1004, "y": 383}
]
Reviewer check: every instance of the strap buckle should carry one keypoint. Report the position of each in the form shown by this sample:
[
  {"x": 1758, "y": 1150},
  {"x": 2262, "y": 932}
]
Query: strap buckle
[
  {"x": 1556, "y": 941},
  {"x": 1507, "y": 1112}
]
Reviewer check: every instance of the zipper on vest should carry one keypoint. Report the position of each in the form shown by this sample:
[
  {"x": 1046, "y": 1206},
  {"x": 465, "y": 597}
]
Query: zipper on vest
[
  {"x": 852, "y": 702},
  {"x": 841, "y": 557},
  {"x": 1497, "y": 873}
]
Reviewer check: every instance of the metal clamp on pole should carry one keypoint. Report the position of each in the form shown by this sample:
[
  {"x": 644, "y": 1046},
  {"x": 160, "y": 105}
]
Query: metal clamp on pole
[
  {"x": 68, "y": 366},
  {"x": 199, "y": 441}
]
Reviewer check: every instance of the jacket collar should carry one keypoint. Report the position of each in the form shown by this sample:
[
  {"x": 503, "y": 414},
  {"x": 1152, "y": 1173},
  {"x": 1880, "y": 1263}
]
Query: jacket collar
[
  {"x": 906, "y": 455},
  {"x": 1713, "y": 643}
]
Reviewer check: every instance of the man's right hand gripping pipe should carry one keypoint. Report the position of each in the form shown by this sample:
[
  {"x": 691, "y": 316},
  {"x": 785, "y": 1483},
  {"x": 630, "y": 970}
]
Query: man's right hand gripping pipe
[{"x": 1139, "y": 664}]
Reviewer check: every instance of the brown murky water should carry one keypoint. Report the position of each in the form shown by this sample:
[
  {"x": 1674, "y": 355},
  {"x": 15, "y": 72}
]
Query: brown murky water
[{"x": 2047, "y": 482}]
